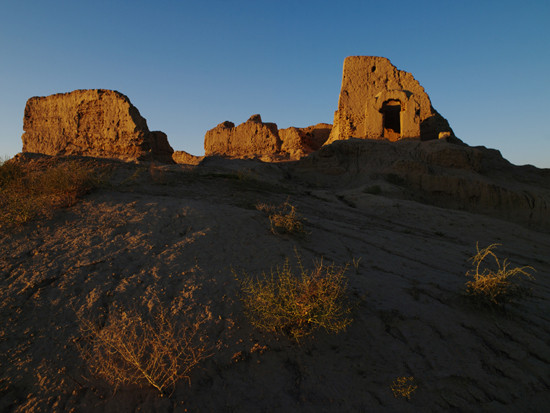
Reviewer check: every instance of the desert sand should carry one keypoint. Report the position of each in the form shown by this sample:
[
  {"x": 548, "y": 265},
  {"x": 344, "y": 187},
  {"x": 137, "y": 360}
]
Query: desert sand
[{"x": 178, "y": 232}]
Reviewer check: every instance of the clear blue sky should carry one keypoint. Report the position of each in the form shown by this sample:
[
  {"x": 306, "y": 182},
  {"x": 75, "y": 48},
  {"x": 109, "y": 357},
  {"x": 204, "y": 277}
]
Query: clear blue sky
[{"x": 189, "y": 65}]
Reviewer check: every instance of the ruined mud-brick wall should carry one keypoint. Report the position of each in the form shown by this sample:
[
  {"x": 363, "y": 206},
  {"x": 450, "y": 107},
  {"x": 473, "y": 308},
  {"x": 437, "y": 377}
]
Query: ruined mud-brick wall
[
  {"x": 249, "y": 139},
  {"x": 182, "y": 157},
  {"x": 371, "y": 85},
  {"x": 299, "y": 142},
  {"x": 257, "y": 139},
  {"x": 98, "y": 123}
]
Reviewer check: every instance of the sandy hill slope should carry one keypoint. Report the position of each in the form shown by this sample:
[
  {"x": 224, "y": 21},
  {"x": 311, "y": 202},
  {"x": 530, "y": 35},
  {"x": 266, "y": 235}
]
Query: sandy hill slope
[{"x": 405, "y": 223}]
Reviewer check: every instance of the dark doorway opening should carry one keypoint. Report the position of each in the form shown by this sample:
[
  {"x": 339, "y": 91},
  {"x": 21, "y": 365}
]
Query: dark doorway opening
[{"x": 391, "y": 118}]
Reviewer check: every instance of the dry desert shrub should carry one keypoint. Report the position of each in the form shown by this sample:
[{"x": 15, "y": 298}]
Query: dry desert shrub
[
  {"x": 131, "y": 348},
  {"x": 27, "y": 193},
  {"x": 297, "y": 304},
  {"x": 404, "y": 387},
  {"x": 283, "y": 218},
  {"x": 495, "y": 282}
]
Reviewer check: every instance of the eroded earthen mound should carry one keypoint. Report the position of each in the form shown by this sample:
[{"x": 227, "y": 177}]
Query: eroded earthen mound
[
  {"x": 99, "y": 123},
  {"x": 439, "y": 173},
  {"x": 180, "y": 238}
]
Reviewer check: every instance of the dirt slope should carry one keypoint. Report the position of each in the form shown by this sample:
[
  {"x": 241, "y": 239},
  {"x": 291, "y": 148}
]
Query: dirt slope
[{"x": 176, "y": 232}]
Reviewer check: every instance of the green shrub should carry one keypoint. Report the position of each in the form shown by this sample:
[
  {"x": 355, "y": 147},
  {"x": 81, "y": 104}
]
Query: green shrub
[
  {"x": 495, "y": 282},
  {"x": 297, "y": 305}
]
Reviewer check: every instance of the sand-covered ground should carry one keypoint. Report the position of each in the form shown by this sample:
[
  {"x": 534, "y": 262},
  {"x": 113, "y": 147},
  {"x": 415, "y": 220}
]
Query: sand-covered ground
[{"x": 178, "y": 233}]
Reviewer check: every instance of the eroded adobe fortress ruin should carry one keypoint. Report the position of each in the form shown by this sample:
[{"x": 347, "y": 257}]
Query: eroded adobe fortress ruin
[
  {"x": 377, "y": 101},
  {"x": 99, "y": 123},
  {"x": 257, "y": 139},
  {"x": 378, "y": 106}
]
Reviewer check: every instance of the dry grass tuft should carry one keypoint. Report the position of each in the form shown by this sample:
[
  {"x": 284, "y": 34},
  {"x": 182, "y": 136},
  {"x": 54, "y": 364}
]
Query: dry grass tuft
[
  {"x": 27, "y": 193},
  {"x": 131, "y": 348},
  {"x": 284, "y": 219},
  {"x": 297, "y": 305},
  {"x": 404, "y": 387},
  {"x": 496, "y": 283}
]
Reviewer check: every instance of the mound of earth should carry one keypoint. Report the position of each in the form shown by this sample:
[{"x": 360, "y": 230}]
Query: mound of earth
[
  {"x": 438, "y": 173},
  {"x": 178, "y": 234}
]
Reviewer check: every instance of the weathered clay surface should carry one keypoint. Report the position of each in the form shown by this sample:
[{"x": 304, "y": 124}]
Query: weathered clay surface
[
  {"x": 99, "y": 123},
  {"x": 298, "y": 142},
  {"x": 373, "y": 89},
  {"x": 180, "y": 246},
  {"x": 250, "y": 139}
]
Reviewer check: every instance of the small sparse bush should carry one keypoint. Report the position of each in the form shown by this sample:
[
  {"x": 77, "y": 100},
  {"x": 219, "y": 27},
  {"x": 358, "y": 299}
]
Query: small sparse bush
[
  {"x": 283, "y": 218},
  {"x": 496, "y": 283},
  {"x": 27, "y": 193},
  {"x": 297, "y": 305},
  {"x": 404, "y": 387},
  {"x": 135, "y": 349}
]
